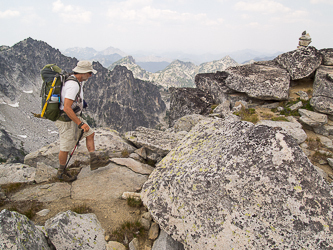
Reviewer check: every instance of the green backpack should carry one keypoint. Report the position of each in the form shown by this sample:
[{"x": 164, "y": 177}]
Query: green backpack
[{"x": 53, "y": 80}]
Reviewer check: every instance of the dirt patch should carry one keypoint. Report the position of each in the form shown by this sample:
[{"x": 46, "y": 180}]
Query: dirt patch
[
  {"x": 27, "y": 208},
  {"x": 112, "y": 213},
  {"x": 305, "y": 85}
]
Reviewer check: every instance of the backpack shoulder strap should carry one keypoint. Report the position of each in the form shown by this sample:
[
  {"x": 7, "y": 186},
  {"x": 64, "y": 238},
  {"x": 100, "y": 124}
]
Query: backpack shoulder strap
[{"x": 73, "y": 78}]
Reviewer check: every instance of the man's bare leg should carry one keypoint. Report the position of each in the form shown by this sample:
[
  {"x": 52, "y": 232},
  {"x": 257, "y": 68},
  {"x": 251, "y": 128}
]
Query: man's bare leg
[
  {"x": 63, "y": 157},
  {"x": 97, "y": 159},
  {"x": 90, "y": 143}
]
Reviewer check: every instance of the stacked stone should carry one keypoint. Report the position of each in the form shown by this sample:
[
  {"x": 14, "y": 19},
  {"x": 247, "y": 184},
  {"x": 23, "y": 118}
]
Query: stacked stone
[{"x": 304, "y": 40}]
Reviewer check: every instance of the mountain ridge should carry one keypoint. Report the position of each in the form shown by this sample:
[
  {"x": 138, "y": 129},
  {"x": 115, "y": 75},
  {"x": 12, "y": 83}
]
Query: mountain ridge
[
  {"x": 240, "y": 56},
  {"x": 111, "y": 96},
  {"x": 177, "y": 73}
]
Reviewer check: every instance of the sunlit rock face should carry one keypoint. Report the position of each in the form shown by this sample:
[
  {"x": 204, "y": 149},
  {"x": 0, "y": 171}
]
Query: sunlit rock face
[
  {"x": 300, "y": 63},
  {"x": 236, "y": 185}
]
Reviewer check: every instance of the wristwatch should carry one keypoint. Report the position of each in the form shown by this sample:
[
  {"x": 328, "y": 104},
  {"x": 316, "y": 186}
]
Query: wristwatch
[{"x": 81, "y": 124}]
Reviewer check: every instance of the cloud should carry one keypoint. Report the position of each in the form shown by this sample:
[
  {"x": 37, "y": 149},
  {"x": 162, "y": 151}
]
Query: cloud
[
  {"x": 278, "y": 13},
  {"x": 322, "y": 1},
  {"x": 71, "y": 14},
  {"x": 293, "y": 17},
  {"x": 9, "y": 14},
  {"x": 263, "y": 6},
  {"x": 141, "y": 11}
]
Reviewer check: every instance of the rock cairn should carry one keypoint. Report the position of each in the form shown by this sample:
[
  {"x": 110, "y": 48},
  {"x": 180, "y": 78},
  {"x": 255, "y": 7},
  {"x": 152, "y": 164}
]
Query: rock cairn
[{"x": 304, "y": 40}]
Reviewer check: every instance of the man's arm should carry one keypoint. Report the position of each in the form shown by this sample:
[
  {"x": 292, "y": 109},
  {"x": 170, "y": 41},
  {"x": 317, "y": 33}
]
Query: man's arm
[{"x": 69, "y": 111}]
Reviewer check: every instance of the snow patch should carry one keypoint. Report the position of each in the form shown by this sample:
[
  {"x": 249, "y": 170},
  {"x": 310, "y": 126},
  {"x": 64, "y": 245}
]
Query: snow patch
[{"x": 15, "y": 105}]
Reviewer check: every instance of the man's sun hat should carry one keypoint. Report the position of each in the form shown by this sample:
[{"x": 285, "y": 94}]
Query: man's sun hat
[{"x": 84, "y": 67}]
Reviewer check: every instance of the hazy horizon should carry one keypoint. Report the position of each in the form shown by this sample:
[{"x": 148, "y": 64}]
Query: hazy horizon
[{"x": 194, "y": 27}]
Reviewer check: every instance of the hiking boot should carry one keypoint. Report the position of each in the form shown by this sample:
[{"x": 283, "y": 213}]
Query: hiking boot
[
  {"x": 65, "y": 176},
  {"x": 98, "y": 160}
]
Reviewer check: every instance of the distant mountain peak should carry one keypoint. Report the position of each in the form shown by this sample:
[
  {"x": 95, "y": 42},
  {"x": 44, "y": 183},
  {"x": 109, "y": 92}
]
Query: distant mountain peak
[
  {"x": 178, "y": 73},
  {"x": 111, "y": 50},
  {"x": 105, "y": 57}
]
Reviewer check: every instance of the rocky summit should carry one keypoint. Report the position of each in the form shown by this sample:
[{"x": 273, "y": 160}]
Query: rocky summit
[
  {"x": 235, "y": 185},
  {"x": 246, "y": 163}
]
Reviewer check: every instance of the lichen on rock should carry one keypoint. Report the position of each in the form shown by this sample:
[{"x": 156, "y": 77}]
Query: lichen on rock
[{"x": 232, "y": 184}]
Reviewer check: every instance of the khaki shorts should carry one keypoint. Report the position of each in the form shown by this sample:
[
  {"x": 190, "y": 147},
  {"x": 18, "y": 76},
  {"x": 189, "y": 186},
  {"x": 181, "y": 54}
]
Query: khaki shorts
[{"x": 69, "y": 133}]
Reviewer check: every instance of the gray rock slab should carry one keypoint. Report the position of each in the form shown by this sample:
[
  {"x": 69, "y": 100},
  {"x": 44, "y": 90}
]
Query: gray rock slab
[
  {"x": 223, "y": 108},
  {"x": 142, "y": 152},
  {"x": 47, "y": 155},
  {"x": 44, "y": 193},
  {"x": 322, "y": 104},
  {"x": 16, "y": 172},
  {"x": 106, "y": 140},
  {"x": 18, "y": 232},
  {"x": 43, "y": 212},
  {"x": 303, "y": 95},
  {"x": 242, "y": 186},
  {"x": 265, "y": 82},
  {"x": 273, "y": 105},
  {"x": 134, "y": 244},
  {"x": 145, "y": 223},
  {"x": 300, "y": 63},
  {"x": 327, "y": 142},
  {"x": 187, "y": 101},
  {"x": 165, "y": 242},
  {"x": 322, "y": 98},
  {"x": 44, "y": 173},
  {"x": 134, "y": 165},
  {"x": 330, "y": 162},
  {"x": 105, "y": 183},
  {"x": 325, "y": 130},
  {"x": 296, "y": 106},
  {"x": 136, "y": 157},
  {"x": 69, "y": 230},
  {"x": 312, "y": 119},
  {"x": 294, "y": 129},
  {"x": 327, "y": 56},
  {"x": 160, "y": 142},
  {"x": 186, "y": 123},
  {"x": 114, "y": 245},
  {"x": 153, "y": 231},
  {"x": 214, "y": 84}
]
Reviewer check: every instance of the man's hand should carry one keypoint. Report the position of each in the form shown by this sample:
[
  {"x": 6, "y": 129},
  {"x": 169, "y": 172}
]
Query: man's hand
[
  {"x": 85, "y": 127},
  {"x": 69, "y": 111}
]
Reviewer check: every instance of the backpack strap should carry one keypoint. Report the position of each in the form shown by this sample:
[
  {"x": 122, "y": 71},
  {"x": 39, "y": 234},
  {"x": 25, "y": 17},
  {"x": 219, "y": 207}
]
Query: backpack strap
[
  {"x": 63, "y": 116},
  {"x": 73, "y": 78}
]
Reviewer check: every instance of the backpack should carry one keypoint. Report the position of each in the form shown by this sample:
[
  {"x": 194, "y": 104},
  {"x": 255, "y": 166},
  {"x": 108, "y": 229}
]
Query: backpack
[{"x": 53, "y": 80}]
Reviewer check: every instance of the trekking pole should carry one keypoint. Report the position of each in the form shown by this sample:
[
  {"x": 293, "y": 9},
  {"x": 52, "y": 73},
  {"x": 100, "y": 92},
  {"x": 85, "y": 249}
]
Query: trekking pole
[{"x": 82, "y": 131}]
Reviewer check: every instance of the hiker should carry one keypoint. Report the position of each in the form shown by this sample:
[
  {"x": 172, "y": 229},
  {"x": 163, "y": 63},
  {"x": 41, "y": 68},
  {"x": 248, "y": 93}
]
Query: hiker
[{"x": 70, "y": 122}]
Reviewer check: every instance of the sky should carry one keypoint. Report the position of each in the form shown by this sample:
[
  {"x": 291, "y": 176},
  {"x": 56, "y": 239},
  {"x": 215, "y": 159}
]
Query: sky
[{"x": 156, "y": 26}]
